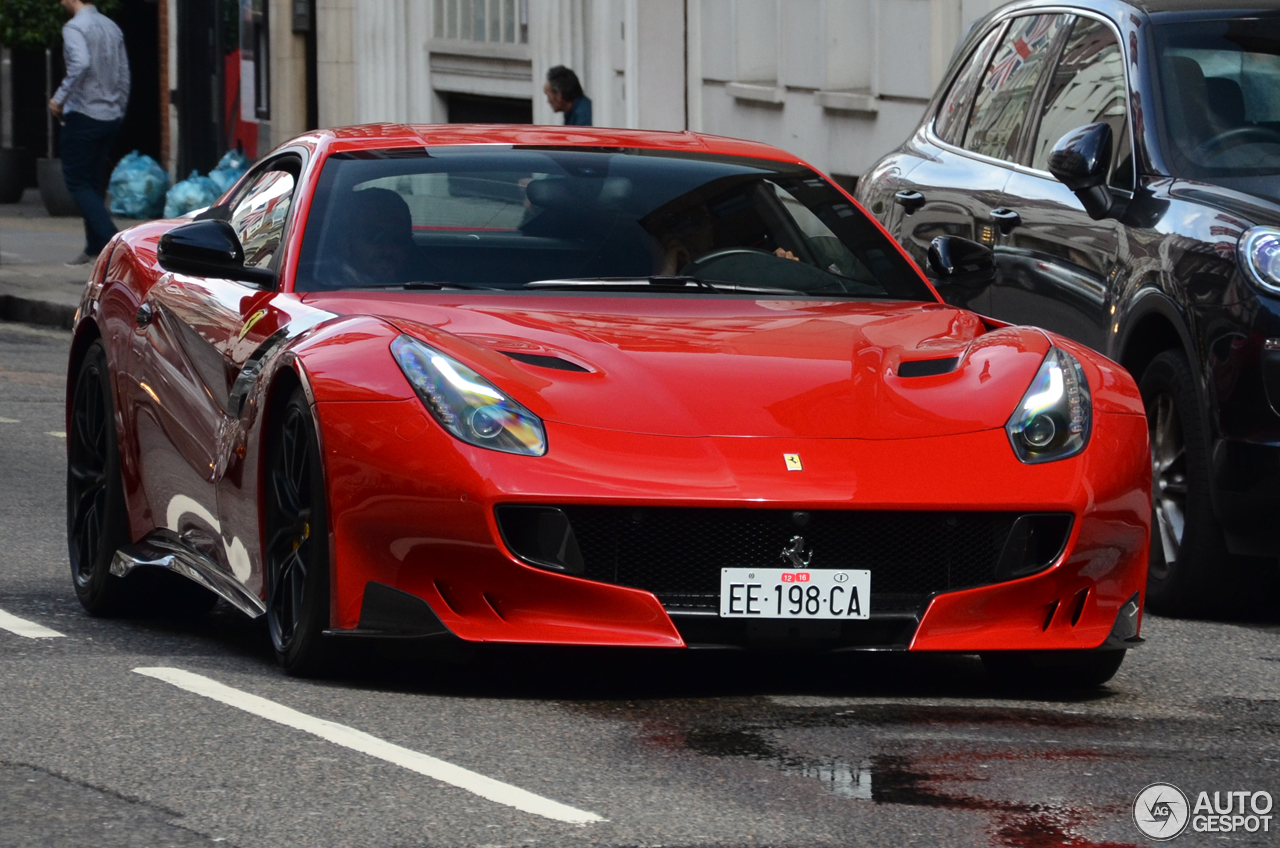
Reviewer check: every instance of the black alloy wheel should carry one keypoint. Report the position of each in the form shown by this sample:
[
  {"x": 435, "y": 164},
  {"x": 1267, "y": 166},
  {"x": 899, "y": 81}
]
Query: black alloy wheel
[
  {"x": 1189, "y": 566},
  {"x": 97, "y": 518},
  {"x": 1052, "y": 669},
  {"x": 297, "y": 550},
  {"x": 1168, "y": 484}
]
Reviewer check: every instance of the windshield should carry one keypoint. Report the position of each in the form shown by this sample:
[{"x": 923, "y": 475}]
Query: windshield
[
  {"x": 1220, "y": 86},
  {"x": 504, "y": 217}
]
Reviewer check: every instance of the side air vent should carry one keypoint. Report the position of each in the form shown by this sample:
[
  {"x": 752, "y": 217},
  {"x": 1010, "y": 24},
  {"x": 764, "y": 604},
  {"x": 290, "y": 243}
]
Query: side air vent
[
  {"x": 928, "y": 367},
  {"x": 1034, "y": 544},
  {"x": 544, "y": 361},
  {"x": 540, "y": 535}
]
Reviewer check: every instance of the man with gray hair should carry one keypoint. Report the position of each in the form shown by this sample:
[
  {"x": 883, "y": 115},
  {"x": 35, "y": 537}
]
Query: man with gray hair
[
  {"x": 564, "y": 94},
  {"x": 91, "y": 103}
]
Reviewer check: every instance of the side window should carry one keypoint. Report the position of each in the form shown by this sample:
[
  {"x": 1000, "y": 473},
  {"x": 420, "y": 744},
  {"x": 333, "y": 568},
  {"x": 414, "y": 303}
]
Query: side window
[
  {"x": 1005, "y": 94},
  {"x": 954, "y": 111},
  {"x": 260, "y": 214},
  {"x": 1088, "y": 87}
]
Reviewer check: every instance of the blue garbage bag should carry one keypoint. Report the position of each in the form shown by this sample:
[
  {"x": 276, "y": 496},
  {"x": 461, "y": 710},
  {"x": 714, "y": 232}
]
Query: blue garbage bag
[
  {"x": 138, "y": 185},
  {"x": 195, "y": 192},
  {"x": 229, "y": 169}
]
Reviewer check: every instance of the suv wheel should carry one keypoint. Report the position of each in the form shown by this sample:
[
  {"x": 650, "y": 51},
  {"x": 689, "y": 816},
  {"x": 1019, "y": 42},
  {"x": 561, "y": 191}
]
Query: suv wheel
[{"x": 1189, "y": 560}]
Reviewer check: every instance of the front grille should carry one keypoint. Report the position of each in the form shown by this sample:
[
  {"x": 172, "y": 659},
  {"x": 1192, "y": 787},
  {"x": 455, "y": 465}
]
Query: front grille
[{"x": 677, "y": 553}]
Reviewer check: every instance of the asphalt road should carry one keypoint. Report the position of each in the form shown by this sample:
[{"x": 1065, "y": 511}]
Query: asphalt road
[{"x": 666, "y": 750}]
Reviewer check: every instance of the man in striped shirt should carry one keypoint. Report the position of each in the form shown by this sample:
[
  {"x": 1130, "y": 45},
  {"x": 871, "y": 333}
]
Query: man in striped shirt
[{"x": 91, "y": 103}]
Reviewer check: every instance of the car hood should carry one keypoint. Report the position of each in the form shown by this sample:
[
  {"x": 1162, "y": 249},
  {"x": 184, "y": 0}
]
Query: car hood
[
  {"x": 707, "y": 366},
  {"x": 1255, "y": 199}
]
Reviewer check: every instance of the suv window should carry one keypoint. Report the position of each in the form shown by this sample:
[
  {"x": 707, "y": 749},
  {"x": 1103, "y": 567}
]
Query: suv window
[
  {"x": 1005, "y": 95},
  {"x": 1087, "y": 87},
  {"x": 954, "y": 111},
  {"x": 260, "y": 214}
]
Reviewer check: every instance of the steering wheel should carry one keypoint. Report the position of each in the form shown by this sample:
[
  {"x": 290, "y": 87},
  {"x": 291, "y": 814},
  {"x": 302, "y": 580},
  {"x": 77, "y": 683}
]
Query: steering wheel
[
  {"x": 1234, "y": 137},
  {"x": 706, "y": 259}
]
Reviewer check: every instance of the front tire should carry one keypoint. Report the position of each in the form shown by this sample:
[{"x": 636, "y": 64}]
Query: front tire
[
  {"x": 1052, "y": 669},
  {"x": 97, "y": 517},
  {"x": 297, "y": 550},
  {"x": 1189, "y": 565}
]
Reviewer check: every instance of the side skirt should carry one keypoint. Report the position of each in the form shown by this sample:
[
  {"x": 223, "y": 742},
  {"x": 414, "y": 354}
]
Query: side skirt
[{"x": 165, "y": 550}]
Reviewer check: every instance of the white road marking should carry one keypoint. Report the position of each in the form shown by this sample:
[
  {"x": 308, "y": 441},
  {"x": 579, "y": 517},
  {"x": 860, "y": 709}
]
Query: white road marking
[
  {"x": 358, "y": 740},
  {"x": 30, "y": 629},
  {"x": 57, "y": 434},
  {"x": 4, "y": 420}
]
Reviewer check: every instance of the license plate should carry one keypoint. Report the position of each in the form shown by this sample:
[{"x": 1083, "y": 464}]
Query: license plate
[{"x": 794, "y": 593}]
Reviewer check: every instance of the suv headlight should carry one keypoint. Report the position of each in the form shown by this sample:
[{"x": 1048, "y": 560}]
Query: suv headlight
[
  {"x": 1053, "y": 419},
  {"x": 1258, "y": 253},
  {"x": 466, "y": 404}
]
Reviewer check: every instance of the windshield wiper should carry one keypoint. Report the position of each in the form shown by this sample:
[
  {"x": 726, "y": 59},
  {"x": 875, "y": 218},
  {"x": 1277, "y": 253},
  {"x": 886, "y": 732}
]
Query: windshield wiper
[
  {"x": 657, "y": 282},
  {"x": 429, "y": 285},
  {"x": 675, "y": 283}
]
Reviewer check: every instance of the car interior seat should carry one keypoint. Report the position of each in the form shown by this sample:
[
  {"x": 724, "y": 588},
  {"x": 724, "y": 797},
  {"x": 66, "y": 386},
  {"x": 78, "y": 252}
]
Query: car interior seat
[
  {"x": 1189, "y": 99},
  {"x": 1226, "y": 102}
]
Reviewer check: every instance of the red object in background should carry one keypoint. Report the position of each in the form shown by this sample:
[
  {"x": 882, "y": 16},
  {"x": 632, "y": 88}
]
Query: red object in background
[
  {"x": 242, "y": 134},
  {"x": 413, "y": 508}
]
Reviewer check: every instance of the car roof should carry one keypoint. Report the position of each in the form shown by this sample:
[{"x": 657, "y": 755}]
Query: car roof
[
  {"x": 1225, "y": 6},
  {"x": 1162, "y": 9},
  {"x": 382, "y": 136}
]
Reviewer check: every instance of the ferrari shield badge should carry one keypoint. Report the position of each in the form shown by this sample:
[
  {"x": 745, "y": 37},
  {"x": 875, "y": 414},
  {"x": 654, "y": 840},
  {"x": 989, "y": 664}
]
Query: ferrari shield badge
[
  {"x": 248, "y": 324},
  {"x": 793, "y": 461}
]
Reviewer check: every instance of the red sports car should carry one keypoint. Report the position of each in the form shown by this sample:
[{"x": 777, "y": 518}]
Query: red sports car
[{"x": 591, "y": 387}]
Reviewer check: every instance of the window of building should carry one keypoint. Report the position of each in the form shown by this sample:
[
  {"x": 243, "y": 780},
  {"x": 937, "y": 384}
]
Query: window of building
[
  {"x": 1087, "y": 87},
  {"x": 757, "y": 37},
  {"x": 255, "y": 58},
  {"x": 492, "y": 21},
  {"x": 1004, "y": 97}
]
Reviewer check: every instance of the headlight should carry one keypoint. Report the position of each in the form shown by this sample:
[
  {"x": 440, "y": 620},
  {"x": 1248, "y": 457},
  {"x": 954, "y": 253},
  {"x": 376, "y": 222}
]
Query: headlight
[
  {"x": 1052, "y": 421},
  {"x": 1258, "y": 253},
  {"x": 466, "y": 404}
]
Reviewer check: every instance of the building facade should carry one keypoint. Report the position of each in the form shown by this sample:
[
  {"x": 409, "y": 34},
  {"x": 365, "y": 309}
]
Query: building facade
[{"x": 839, "y": 82}]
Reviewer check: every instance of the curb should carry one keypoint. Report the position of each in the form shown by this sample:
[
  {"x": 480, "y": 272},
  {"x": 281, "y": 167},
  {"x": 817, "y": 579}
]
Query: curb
[{"x": 31, "y": 311}]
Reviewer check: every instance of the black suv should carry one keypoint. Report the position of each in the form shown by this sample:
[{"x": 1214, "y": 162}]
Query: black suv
[{"x": 1111, "y": 171}]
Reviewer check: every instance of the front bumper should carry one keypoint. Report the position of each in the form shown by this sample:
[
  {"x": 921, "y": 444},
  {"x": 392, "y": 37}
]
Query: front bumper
[{"x": 413, "y": 509}]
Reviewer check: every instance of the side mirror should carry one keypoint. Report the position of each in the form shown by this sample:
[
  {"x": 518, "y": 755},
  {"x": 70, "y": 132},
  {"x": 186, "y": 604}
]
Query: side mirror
[
  {"x": 1080, "y": 161},
  {"x": 209, "y": 249},
  {"x": 962, "y": 262}
]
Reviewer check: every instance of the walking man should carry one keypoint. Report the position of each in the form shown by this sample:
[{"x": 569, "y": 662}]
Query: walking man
[
  {"x": 91, "y": 103},
  {"x": 564, "y": 94}
]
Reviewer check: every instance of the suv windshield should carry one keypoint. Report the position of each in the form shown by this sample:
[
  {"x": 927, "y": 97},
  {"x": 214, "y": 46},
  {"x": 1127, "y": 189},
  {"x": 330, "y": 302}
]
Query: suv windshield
[
  {"x": 1220, "y": 86},
  {"x": 503, "y": 217}
]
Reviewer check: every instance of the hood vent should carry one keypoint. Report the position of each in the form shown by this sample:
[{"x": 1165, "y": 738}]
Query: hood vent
[
  {"x": 925, "y": 367},
  {"x": 543, "y": 361}
]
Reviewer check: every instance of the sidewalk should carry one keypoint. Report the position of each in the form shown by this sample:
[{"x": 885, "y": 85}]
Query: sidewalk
[{"x": 35, "y": 286}]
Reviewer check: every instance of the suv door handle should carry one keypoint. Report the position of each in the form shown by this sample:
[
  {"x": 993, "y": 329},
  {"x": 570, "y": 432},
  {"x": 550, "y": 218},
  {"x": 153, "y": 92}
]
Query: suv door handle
[
  {"x": 1006, "y": 220},
  {"x": 909, "y": 200}
]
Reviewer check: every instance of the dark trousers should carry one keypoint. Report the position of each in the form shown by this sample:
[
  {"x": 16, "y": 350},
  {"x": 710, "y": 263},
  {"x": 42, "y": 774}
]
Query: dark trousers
[{"x": 86, "y": 142}]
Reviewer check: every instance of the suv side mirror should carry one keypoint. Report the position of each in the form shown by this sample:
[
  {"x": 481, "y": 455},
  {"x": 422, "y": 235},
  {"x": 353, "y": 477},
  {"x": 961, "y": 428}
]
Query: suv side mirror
[
  {"x": 209, "y": 249},
  {"x": 1080, "y": 161},
  {"x": 962, "y": 262}
]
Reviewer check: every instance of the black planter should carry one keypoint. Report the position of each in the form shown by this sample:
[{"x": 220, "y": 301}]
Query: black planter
[
  {"x": 53, "y": 189},
  {"x": 15, "y": 166}
]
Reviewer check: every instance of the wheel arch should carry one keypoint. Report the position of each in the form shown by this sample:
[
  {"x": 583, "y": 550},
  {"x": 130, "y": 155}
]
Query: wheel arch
[
  {"x": 1154, "y": 324},
  {"x": 85, "y": 334},
  {"x": 290, "y": 375}
]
